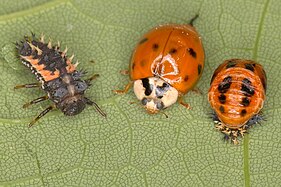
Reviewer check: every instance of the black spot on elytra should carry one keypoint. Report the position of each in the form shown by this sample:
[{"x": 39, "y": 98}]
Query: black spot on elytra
[
  {"x": 199, "y": 69},
  {"x": 148, "y": 87},
  {"x": 192, "y": 52},
  {"x": 225, "y": 84},
  {"x": 250, "y": 67},
  {"x": 142, "y": 63},
  {"x": 133, "y": 65},
  {"x": 230, "y": 64},
  {"x": 243, "y": 112},
  {"x": 247, "y": 87},
  {"x": 155, "y": 47},
  {"x": 172, "y": 51},
  {"x": 186, "y": 78},
  {"x": 221, "y": 109},
  {"x": 222, "y": 98},
  {"x": 161, "y": 90},
  {"x": 245, "y": 101},
  {"x": 143, "y": 40}
]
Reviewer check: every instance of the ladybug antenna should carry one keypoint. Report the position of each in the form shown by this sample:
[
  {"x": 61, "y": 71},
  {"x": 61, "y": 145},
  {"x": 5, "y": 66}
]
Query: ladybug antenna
[
  {"x": 193, "y": 19},
  {"x": 133, "y": 102},
  {"x": 164, "y": 114}
]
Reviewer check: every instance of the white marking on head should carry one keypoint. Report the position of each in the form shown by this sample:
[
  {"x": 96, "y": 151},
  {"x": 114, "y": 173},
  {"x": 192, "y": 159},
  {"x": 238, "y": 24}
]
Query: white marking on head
[
  {"x": 155, "y": 94},
  {"x": 67, "y": 80}
]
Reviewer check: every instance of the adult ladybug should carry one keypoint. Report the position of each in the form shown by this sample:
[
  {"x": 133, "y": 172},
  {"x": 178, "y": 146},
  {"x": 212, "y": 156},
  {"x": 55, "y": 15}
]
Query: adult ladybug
[
  {"x": 237, "y": 94},
  {"x": 166, "y": 63},
  {"x": 57, "y": 76}
]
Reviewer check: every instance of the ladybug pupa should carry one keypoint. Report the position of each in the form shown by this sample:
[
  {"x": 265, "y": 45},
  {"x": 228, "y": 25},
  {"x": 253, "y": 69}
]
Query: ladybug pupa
[
  {"x": 237, "y": 95},
  {"x": 56, "y": 76},
  {"x": 166, "y": 63}
]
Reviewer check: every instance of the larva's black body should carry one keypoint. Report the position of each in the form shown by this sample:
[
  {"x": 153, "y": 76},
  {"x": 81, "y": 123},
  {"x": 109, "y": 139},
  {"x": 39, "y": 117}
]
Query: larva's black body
[
  {"x": 67, "y": 92},
  {"x": 57, "y": 75}
]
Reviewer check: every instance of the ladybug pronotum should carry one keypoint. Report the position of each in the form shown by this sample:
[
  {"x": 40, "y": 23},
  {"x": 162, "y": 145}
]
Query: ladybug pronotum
[
  {"x": 237, "y": 95},
  {"x": 57, "y": 76},
  {"x": 166, "y": 63}
]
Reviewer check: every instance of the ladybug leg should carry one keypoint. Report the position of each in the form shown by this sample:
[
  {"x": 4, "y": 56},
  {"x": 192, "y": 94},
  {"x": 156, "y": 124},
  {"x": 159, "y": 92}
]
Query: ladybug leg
[
  {"x": 186, "y": 105},
  {"x": 43, "y": 113},
  {"x": 93, "y": 77},
  {"x": 124, "y": 72},
  {"x": 126, "y": 89},
  {"x": 88, "y": 81},
  {"x": 32, "y": 85},
  {"x": 39, "y": 99},
  {"x": 197, "y": 91},
  {"x": 92, "y": 103}
]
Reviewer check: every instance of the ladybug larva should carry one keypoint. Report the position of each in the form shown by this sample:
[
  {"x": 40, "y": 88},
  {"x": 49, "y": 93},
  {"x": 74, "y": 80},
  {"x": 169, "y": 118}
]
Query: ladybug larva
[
  {"x": 237, "y": 95},
  {"x": 56, "y": 75}
]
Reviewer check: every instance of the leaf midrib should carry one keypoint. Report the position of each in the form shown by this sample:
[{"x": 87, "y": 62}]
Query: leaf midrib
[{"x": 246, "y": 138}]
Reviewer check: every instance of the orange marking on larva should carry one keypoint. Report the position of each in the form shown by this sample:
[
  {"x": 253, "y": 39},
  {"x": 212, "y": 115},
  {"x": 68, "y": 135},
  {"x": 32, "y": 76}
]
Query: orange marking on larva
[
  {"x": 38, "y": 67},
  {"x": 70, "y": 67},
  {"x": 33, "y": 62},
  {"x": 48, "y": 76},
  {"x": 51, "y": 67},
  {"x": 29, "y": 59}
]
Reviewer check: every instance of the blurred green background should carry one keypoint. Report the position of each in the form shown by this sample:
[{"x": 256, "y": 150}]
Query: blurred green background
[{"x": 130, "y": 147}]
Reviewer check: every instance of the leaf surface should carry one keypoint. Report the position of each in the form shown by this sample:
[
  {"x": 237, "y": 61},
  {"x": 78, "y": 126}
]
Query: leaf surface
[{"x": 130, "y": 147}]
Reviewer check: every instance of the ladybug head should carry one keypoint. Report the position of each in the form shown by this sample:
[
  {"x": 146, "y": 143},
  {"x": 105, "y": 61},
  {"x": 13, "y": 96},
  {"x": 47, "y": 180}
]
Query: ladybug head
[
  {"x": 74, "y": 105},
  {"x": 155, "y": 94}
]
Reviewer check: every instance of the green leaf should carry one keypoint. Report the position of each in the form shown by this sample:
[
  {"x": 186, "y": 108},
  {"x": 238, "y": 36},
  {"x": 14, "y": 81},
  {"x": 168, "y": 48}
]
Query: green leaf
[{"x": 131, "y": 147}]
